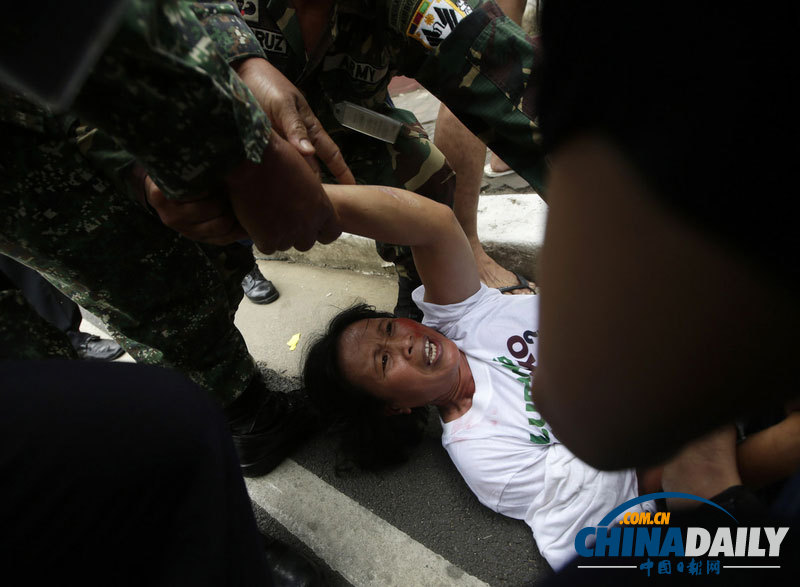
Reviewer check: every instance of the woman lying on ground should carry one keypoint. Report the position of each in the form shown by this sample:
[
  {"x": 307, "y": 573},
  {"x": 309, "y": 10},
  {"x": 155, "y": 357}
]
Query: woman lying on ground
[{"x": 473, "y": 358}]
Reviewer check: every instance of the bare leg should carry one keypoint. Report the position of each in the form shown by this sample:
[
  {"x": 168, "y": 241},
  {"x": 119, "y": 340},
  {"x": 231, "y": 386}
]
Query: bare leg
[
  {"x": 497, "y": 164},
  {"x": 771, "y": 454},
  {"x": 466, "y": 154},
  {"x": 704, "y": 467},
  {"x": 763, "y": 458}
]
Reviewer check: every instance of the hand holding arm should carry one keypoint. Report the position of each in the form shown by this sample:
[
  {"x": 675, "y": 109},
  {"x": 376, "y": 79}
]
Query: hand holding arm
[
  {"x": 280, "y": 202},
  {"x": 292, "y": 117},
  {"x": 207, "y": 218}
]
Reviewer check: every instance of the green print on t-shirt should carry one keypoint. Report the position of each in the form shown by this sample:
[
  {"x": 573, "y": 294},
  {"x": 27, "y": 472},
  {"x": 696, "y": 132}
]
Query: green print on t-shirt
[{"x": 540, "y": 435}]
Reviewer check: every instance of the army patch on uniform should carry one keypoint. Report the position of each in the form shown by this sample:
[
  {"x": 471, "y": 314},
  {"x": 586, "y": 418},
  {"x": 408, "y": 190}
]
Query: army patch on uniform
[
  {"x": 249, "y": 9},
  {"x": 435, "y": 20}
]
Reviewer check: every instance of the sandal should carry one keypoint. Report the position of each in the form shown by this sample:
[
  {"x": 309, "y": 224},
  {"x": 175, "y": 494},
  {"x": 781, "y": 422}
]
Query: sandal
[{"x": 522, "y": 283}]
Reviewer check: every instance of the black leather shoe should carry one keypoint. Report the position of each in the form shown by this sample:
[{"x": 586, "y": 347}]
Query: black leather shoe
[
  {"x": 406, "y": 308},
  {"x": 94, "y": 348},
  {"x": 289, "y": 568},
  {"x": 258, "y": 288},
  {"x": 267, "y": 426}
]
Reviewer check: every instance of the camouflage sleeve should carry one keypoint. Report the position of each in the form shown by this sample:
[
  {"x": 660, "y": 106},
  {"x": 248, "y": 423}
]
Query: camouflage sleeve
[
  {"x": 224, "y": 24},
  {"x": 170, "y": 99},
  {"x": 480, "y": 64},
  {"x": 105, "y": 155}
]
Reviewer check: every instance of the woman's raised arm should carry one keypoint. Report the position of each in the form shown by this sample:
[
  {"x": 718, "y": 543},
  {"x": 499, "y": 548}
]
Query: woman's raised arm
[{"x": 441, "y": 250}]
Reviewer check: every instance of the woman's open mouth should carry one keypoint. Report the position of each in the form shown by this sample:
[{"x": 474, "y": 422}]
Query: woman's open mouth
[{"x": 431, "y": 351}]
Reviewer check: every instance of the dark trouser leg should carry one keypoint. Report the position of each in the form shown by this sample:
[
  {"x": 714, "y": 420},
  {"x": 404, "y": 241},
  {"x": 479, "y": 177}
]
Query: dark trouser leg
[
  {"x": 58, "y": 310},
  {"x": 23, "y": 333},
  {"x": 119, "y": 474},
  {"x": 51, "y": 304}
]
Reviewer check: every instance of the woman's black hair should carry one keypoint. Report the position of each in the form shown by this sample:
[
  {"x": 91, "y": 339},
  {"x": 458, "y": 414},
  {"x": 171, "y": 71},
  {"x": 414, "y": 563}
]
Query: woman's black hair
[{"x": 370, "y": 438}]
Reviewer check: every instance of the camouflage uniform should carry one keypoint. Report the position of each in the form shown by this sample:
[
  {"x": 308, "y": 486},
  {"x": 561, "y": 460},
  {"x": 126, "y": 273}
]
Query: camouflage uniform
[
  {"x": 356, "y": 59},
  {"x": 64, "y": 211},
  {"x": 367, "y": 42},
  {"x": 173, "y": 103}
]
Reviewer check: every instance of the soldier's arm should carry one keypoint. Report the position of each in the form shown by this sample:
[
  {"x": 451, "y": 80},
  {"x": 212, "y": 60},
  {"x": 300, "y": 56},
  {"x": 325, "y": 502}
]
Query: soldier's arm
[
  {"x": 224, "y": 24},
  {"x": 285, "y": 105},
  {"x": 232, "y": 39},
  {"x": 481, "y": 65},
  {"x": 171, "y": 100}
]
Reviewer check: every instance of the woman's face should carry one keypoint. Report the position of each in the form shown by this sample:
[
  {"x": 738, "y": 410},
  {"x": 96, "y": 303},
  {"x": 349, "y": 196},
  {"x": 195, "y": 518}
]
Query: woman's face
[{"x": 400, "y": 361}]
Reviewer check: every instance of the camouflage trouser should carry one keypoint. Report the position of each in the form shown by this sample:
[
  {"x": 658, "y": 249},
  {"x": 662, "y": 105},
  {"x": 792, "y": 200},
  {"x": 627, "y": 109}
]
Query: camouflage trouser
[
  {"x": 165, "y": 299},
  {"x": 412, "y": 163}
]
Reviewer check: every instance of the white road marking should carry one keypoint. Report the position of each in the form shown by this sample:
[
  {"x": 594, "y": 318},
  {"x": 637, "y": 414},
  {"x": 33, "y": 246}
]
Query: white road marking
[{"x": 360, "y": 546}]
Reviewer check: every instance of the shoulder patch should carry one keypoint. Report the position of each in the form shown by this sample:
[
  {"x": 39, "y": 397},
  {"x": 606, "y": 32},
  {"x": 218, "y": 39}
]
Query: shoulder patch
[
  {"x": 249, "y": 9},
  {"x": 435, "y": 20}
]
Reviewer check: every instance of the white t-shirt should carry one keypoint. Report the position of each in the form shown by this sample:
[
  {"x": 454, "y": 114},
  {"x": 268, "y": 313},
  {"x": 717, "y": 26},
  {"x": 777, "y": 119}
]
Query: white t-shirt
[{"x": 502, "y": 447}]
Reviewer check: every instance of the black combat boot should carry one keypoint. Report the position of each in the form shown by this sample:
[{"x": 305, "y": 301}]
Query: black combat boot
[
  {"x": 258, "y": 288},
  {"x": 288, "y": 567},
  {"x": 268, "y": 425},
  {"x": 93, "y": 348}
]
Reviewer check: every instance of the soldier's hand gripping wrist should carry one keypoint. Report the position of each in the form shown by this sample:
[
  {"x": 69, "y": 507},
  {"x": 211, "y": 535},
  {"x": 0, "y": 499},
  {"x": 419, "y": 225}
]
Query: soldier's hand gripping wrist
[
  {"x": 207, "y": 218},
  {"x": 292, "y": 117},
  {"x": 280, "y": 202}
]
